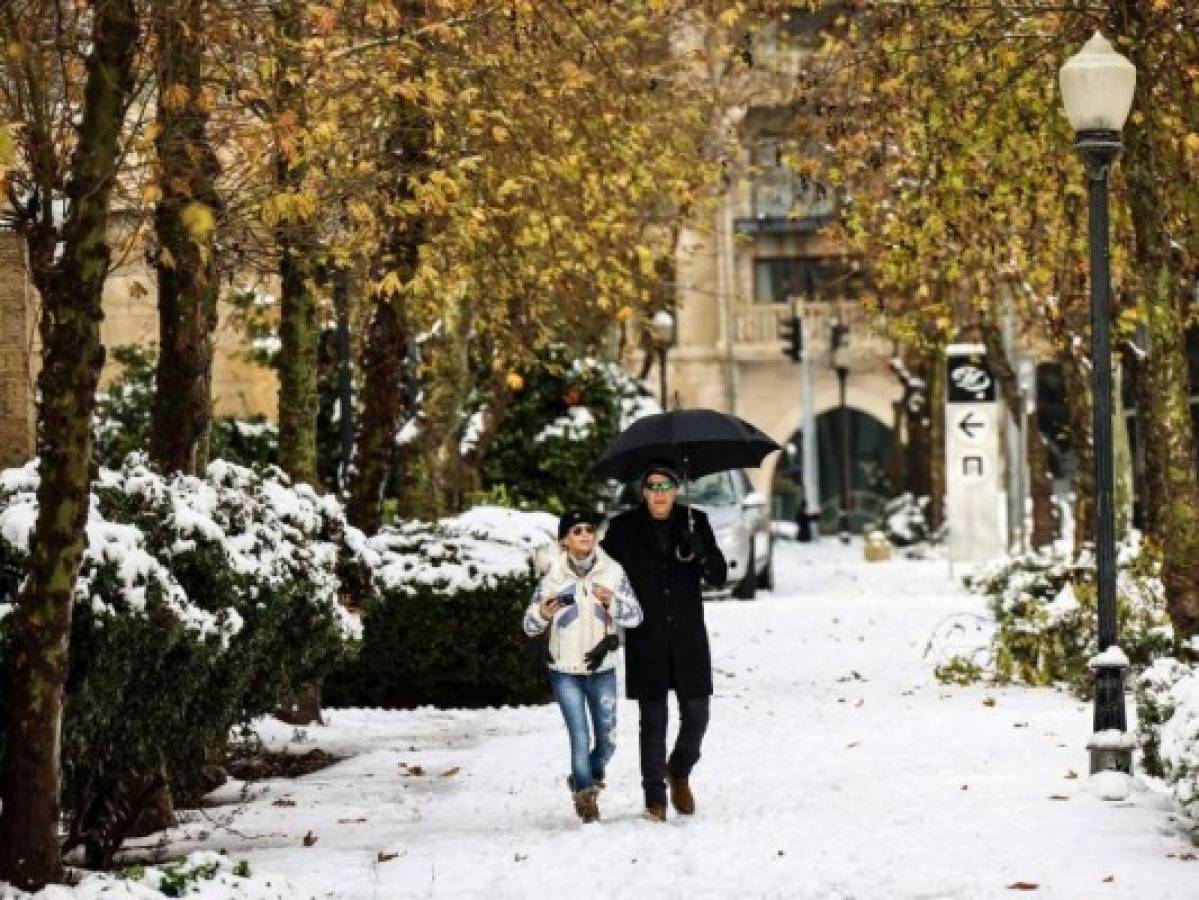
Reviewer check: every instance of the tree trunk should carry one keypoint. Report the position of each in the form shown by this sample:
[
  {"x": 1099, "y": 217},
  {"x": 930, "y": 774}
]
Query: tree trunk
[
  {"x": 1151, "y": 488},
  {"x": 297, "y": 245},
  {"x": 30, "y": 775},
  {"x": 936, "y": 440},
  {"x": 1076, "y": 377},
  {"x": 446, "y": 393},
  {"x": 185, "y": 224},
  {"x": 1040, "y": 486},
  {"x": 383, "y": 360},
  {"x": 1169, "y": 440}
]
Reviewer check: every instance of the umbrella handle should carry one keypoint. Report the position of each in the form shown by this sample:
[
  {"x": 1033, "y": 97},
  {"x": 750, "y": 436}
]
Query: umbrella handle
[{"x": 678, "y": 551}]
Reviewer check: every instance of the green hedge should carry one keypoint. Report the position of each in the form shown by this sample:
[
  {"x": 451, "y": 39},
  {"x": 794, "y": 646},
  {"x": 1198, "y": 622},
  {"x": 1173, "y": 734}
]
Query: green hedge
[
  {"x": 201, "y": 605},
  {"x": 444, "y": 628},
  {"x": 429, "y": 647}
]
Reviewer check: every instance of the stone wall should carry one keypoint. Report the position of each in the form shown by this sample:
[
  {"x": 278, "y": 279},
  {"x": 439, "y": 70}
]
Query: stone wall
[{"x": 18, "y": 328}]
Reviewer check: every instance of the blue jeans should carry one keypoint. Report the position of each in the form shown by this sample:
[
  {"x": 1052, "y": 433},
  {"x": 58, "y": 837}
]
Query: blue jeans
[{"x": 578, "y": 697}]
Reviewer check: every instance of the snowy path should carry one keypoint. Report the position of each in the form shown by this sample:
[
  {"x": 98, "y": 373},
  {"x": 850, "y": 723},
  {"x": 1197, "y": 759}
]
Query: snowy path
[{"x": 835, "y": 767}]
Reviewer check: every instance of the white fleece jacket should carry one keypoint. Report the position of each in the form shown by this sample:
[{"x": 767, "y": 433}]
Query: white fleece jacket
[{"x": 579, "y": 626}]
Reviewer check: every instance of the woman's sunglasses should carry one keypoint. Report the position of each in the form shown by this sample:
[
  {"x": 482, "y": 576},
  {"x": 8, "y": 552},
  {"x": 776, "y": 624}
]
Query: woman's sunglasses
[
  {"x": 579, "y": 530},
  {"x": 660, "y": 487}
]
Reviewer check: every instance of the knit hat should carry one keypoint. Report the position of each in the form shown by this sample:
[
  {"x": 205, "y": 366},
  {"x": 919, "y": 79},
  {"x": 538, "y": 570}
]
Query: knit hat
[
  {"x": 573, "y": 517},
  {"x": 660, "y": 467}
]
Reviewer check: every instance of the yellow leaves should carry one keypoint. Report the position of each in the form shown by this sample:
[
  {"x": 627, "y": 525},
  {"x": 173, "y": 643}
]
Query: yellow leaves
[
  {"x": 175, "y": 96},
  {"x": 288, "y": 207},
  {"x": 624, "y": 313},
  {"x": 515, "y": 382},
  {"x": 509, "y": 187},
  {"x": 199, "y": 220},
  {"x": 1191, "y": 143},
  {"x": 500, "y": 134},
  {"x": 151, "y": 194},
  {"x": 645, "y": 259}
]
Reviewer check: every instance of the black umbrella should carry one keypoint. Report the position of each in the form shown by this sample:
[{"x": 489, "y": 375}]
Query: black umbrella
[{"x": 695, "y": 441}]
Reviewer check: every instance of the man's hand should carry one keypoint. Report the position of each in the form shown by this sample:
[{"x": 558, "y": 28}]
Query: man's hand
[
  {"x": 691, "y": 543},
  {"x": 603, "y": 595},
  {"x": 595, "y": 656},
  {"x": 547, "y": 608}
]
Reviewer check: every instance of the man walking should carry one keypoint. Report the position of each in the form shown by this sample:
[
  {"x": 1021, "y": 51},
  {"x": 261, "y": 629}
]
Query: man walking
[{"x": 665, "y": 549}]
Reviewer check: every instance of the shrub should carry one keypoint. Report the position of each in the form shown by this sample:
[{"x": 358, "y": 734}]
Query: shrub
[
  {"x": 201, "y": 603},
  {"x": 121, "y": 425},
  {"x": 1044, "y": 606},
  {"x": 1180, "y": 745},
  {"x": 564, "y": 417},
  {"x": 904, "y": 521},
  {"x": 444, "y": 628},
  {"x": 1156, "y": 702}
]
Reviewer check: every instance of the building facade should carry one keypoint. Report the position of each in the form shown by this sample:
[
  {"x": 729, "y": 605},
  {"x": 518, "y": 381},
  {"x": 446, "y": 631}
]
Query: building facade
[{"x": 765, "y": 255}]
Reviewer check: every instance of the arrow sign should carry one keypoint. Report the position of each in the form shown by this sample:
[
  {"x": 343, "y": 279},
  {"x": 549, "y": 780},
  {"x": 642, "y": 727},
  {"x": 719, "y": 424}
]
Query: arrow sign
[{"x": 972, "y": 427}]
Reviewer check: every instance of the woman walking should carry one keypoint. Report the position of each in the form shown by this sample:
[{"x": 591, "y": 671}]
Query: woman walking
[{"x": 581, "y": 600}]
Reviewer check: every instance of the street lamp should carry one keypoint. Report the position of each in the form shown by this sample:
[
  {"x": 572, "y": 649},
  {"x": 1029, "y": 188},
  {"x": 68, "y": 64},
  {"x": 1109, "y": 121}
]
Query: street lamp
[
  {"x": 1097, "y": 85},
  {"x": 661, "y": 333},
  {"x": 839, "y": 360}
]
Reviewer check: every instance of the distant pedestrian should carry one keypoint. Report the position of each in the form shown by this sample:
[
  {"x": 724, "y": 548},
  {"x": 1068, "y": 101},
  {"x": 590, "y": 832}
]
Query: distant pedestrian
[
  {"x": 666, "y": 550},
  {"x": 581, "y": 600},
  {"x": 803, "y": 521}
]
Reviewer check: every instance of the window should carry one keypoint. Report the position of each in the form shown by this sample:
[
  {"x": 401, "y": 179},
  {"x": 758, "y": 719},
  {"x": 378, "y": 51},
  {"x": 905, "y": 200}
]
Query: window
[
  {"x": 814, "y": 279},
  {"x": 779, "y": 193}
]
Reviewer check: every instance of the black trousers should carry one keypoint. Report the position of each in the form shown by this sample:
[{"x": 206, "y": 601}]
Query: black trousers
[{"x": 693, "y": 722}]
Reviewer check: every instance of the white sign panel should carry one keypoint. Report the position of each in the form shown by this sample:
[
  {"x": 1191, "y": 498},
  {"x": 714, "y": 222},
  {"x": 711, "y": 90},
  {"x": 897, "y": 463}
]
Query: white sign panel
[{"x": 975, "y": 504}]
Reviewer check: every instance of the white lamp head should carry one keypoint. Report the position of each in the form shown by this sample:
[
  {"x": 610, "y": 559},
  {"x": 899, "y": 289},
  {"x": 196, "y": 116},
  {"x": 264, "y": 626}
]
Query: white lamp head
[
  {"x": 1097, "y": 85},
  {"x": 661, "y": 328}
]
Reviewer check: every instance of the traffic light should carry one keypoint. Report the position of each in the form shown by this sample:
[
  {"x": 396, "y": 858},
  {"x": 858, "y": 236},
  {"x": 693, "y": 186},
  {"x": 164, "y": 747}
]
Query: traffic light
[
  {"x": 791, "y": 331},
  {"x": 840, "y": 336}
]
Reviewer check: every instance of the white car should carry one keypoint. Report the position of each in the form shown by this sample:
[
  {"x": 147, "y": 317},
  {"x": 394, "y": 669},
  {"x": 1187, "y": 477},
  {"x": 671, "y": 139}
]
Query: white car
[{"x": 740, "y": 520}]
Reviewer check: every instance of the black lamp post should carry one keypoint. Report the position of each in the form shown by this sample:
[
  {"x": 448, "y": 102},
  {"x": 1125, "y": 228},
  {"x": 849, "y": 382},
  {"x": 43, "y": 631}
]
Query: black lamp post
[
  {"x": 661, "y": 332},
  {"x": 839, "y": 360},
  {"x": 1097, "y": 85}
]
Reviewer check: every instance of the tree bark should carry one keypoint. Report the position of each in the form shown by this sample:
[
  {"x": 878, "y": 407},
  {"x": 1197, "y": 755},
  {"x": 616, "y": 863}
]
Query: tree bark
[
  {"x": 297, "y": 244},
  {"x": 385, "y": 354},
  {"x": 1076, "y": 376},
  {"x": 1169, "y": 440},
  {"x": 185, "y": 223},
  {"x": 936, "y": 440},
  {"x": 383, "y": 360},
  {"x": 30, "y": 774}
]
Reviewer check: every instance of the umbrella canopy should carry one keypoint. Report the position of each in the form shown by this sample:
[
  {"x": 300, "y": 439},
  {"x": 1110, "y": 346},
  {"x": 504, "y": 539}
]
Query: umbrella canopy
[{"x": 695, "y": 441}]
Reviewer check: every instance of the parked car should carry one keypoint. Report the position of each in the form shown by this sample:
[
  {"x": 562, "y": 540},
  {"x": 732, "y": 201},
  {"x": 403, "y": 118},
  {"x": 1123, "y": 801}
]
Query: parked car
[{"x": 740, "y": 519}]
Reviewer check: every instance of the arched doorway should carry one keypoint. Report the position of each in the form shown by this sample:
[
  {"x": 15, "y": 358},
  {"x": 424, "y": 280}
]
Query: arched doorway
[{"x": 871, "y": 444}]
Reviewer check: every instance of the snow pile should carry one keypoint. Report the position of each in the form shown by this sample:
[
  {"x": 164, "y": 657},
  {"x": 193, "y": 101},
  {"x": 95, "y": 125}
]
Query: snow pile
[{"x": 203, "y": 875}]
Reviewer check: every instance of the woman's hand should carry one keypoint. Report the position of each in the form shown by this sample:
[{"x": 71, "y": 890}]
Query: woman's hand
[
  {"x": 547, "y": 608},
  {"x": 603, "y": 595}
]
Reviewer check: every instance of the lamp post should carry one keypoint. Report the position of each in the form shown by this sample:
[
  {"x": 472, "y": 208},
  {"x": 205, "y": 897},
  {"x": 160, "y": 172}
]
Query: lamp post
[
  {"x": 1097, "y": 85},
  {"x": 839, "y": 360},
  {"x": 661, "y": 332}
]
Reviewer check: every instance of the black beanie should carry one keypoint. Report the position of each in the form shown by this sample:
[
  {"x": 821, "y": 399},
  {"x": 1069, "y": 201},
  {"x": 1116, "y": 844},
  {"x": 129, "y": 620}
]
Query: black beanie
[{"x": 573, "y": 517}]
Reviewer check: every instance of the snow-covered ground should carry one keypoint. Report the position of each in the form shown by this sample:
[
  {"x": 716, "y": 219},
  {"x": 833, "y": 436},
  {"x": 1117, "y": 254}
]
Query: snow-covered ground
[{"x": 835, "y": 767}]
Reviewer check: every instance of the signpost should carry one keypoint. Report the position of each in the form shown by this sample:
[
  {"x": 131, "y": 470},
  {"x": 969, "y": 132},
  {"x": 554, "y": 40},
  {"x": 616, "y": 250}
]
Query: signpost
[{"x": 974, "y": 495}]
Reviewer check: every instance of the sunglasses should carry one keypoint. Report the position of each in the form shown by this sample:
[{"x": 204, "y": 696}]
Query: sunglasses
[
  {"x": 660, "y": 487},
  {"x": 579, "y": 530}
]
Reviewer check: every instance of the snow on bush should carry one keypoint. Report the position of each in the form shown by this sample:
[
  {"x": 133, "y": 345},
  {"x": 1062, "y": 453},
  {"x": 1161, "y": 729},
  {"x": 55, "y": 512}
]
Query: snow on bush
[
  {"x": 444, "y": 627},
  {"x": 201, "y": 604},
  {"x": 1180, "y": 745},
  {"x": 1044, "y": 605}
]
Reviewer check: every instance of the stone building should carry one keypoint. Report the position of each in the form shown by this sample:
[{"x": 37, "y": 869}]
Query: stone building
[{"x": 241, "y": 386}]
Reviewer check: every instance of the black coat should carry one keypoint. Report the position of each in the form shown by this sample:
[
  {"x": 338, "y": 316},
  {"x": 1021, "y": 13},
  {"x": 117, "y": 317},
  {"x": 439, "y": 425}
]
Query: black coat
[{"x": 672, "y": 635}]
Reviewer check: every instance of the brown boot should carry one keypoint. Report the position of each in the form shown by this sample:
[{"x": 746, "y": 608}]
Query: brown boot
[
  {"x": 656, "y": 812},
  {"x": 587, "y": 805},
  {"x": 681, "y": 797}
]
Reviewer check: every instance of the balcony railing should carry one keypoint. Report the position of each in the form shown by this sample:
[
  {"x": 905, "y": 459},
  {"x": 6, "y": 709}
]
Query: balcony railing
[{"x": 756, "y": 325}]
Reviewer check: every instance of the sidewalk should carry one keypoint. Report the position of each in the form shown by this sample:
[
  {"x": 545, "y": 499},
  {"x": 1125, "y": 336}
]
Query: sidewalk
[{"x": 835, "y": 767}]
